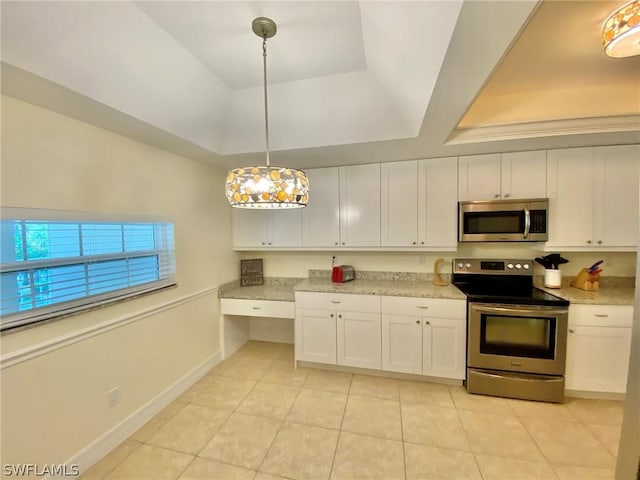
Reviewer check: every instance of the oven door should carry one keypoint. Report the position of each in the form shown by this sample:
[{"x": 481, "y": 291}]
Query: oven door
[{"x": 518, "y": 338}]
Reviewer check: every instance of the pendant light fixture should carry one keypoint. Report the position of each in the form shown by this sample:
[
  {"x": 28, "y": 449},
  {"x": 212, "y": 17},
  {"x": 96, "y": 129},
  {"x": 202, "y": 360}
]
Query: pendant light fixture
[
  {"x": 266, "y": 186},
  {"x": 621, "y": 31}
]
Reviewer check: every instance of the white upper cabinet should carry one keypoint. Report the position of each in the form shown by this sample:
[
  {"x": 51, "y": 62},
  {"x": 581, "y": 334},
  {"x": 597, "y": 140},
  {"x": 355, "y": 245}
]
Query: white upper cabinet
[
  {"x": 419, "y": 201},
  {"x": 593, "y": 194},
  {"x": 399, "y": 204},
  {"x": 321, "y": 216},
  {"x": 438, "y": 203},
  {"x": 503, "y": 176},
  {"x": 360, "y": 206},
  {"x": 257, "y": 228}
]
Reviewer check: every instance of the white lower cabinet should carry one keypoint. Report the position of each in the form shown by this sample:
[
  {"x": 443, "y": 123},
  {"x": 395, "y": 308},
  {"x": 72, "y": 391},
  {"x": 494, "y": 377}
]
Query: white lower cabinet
[
  {"x": 598, "y": 348},
  {"x": 424, "y": 336},
  {"x": 341, "y": 329}
]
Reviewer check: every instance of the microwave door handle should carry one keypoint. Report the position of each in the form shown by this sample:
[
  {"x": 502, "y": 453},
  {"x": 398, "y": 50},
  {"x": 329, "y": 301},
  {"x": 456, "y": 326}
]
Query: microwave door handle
[{"x": 527, "y": 222}]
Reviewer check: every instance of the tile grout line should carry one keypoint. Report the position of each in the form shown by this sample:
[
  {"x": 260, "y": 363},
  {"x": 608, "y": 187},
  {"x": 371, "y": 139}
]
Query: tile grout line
[{"x": 344, "y": 412}]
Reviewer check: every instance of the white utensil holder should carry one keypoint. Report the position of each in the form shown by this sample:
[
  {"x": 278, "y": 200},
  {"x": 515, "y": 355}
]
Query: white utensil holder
[{"x": 552, "y": 278}]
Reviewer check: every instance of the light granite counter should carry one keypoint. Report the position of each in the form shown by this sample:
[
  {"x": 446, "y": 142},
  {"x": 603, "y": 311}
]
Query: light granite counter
[
  {"x": 612, "y": 291},
  {"x": 274, "y": 288},
  {"x": 396, "y": 288}
]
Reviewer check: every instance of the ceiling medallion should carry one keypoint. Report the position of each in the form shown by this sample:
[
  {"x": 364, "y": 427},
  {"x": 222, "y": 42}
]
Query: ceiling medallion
[
  {"x": 621, "y": 31},
  {"x": 266, "y": 186}
]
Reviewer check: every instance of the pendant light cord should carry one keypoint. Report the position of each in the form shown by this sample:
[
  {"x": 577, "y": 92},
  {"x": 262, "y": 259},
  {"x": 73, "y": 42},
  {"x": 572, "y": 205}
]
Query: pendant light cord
[{"x": 266, "y": 108}]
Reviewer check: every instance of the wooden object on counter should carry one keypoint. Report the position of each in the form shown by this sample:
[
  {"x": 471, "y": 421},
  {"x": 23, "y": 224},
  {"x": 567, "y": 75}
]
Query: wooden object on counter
[
  {"x": 437, "y": 280},
  {"x": 586, "y": 281}
]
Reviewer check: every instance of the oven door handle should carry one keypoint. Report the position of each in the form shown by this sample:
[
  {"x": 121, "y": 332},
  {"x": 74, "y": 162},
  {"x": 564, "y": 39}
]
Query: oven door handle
[
  {"x": 527, "y": 222},
  {"x": 519, "y": 309}
]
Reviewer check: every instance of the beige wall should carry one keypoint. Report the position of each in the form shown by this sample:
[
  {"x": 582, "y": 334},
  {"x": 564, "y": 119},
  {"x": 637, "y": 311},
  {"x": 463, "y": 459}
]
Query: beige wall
[
  {"x": 297, "y": 264},
  {"x": 55, "y": 404}
]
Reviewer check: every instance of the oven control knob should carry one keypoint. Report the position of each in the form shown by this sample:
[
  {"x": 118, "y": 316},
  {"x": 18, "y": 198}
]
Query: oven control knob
[
  {"x": 525, "y": 266},
  {"x": 509, "y": 265},
  {"x": 468, "y": 265},
  {"x": 460, "y": 265},
  {"x": 518, "y": 266}
]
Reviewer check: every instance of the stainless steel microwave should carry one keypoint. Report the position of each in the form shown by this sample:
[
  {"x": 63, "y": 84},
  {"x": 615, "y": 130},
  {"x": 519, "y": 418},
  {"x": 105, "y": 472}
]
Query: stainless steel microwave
[{"x": 523, "y": 220}]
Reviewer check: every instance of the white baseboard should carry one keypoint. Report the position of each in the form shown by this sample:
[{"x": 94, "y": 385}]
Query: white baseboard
[{"x": 100, "y": 447}]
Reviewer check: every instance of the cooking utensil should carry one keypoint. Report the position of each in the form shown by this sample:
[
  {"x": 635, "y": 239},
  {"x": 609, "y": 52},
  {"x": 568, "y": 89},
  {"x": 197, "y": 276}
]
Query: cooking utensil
[{"x": 595, "y": 266}]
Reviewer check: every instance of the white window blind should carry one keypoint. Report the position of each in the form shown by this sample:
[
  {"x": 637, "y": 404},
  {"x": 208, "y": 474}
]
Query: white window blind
[{"x": 54, "y": 266}]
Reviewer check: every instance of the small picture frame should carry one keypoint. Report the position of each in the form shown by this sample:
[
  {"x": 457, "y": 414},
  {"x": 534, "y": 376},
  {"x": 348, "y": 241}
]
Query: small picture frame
[{"x": 251, "y": 272}]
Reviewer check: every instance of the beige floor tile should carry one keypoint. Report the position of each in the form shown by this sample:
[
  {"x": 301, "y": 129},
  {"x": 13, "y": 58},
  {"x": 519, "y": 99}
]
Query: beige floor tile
[
  {"x": 542, "y": 410},
  {"x": 224, "y": 393},
  {"x": 302, "y": 452},
  {"x": 433, "y": 463},
  {"x": 478, "y": 403},
  {"x": 499, "y": 434},
  {"x": 190, "y": 429},
  {"x": 247, "y": 368},
  {"x": 361, "y": 456},
  {"x": 609, "y": 436},
  {"x": 148, "y": 429},
  {"x": 596, "y": 411},
  {"x": 243, "y": 440},
  {"x": 338, "y": 382},
  {"x": 268, "y": 476},
  {"x": 319, "y": 408},
  {"x": 100, "y": 469},
  {"x": 423, "y": 392},
  {"x": 569, "y": 443},
  {"x": 569, "y": 472},
  {"x": 501, "y": 468},
  {"x": 269, "y": 400},
  {"x": 434, "y": 426},
  {"x": 373, "y": 416},
  {"x": 260, "y": 349},
  {"x": 203, "y": 469},
  {"x": 283, "y": 372},
  {"x": 374, "y": 387},
  {"x": 151, "y": 463}
]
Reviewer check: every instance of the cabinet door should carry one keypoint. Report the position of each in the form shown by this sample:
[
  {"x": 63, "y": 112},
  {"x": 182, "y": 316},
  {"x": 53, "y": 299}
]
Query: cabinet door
[
  {"x": 321, "y": 216},
  {"x": 360, "y": 206},
  {"x": 285, "y": 228},
  {"x": 402, "y": 343},
  {"x": 444, "y": 348},
  {"x": 359, "y": 339},
  {"x": 616, "y": 185},
  {"x": 598, "y": 358},
  {"x": 399, "y": 204},
  {"x": 438, "y": 203},
  {"x": 315, "y": 335},
  {"x": 570, "y": 183},
  {"x": 479, "y": 177},
  {"x": 250, "y": 228},
  {"x": 524, "y": 174}
]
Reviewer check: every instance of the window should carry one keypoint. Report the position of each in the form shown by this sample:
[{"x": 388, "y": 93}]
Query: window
[{"x": 53, "y": 266}]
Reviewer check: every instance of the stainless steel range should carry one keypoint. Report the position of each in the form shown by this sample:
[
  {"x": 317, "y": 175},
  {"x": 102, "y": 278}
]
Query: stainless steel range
[{"x": 516, "y": 333}]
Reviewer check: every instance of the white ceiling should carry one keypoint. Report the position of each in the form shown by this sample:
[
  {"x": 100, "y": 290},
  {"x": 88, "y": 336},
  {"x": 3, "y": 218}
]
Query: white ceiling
[{"x": 349, "y": 82}]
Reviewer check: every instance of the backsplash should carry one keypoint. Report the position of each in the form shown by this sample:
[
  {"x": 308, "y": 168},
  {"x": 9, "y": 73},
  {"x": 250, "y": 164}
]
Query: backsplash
[{"x": 368, "y": 275}]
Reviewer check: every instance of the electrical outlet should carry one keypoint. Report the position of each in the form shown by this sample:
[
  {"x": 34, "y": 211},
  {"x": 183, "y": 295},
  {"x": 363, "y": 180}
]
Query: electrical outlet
[{"x": 113, "y": 397}]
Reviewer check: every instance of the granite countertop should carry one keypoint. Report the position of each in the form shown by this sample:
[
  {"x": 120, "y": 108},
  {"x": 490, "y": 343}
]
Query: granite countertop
[
  {"x": 401, "y": 284},
  {"x": 396, "y": 288}
]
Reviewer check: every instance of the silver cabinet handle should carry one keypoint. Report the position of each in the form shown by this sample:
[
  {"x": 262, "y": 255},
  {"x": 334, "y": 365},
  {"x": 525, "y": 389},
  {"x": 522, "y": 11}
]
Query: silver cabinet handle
[
  {"x": 418, "y": 322},
  {"x": 571, "y": 330},
  {"x": 340, "y": 316},
  {"x": 413, "y": 243},
  {"x": 335, "y": 243},
  {"x": 497, "y": 195},
  {"x": 599, "y": 242},
  {"x": 588, "y": 242},
  {"x": 256, "y": 308},
  {"x": 601, "y": 315},
  {"x": 422, "y": 307},
  {"x": 427, "y": 322},
  {"x": 332, "y": 315},
  {"x": 506, "y": 195},
  {"x": 336, "y": 301}
]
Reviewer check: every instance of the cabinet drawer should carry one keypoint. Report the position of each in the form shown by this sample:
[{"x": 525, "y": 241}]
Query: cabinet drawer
[
  {"x": 257, "y": 308},
  {"x": 427, "y": 307},
  {"x": 601, "y": 315},
  {"x": 338, "y": 301}
]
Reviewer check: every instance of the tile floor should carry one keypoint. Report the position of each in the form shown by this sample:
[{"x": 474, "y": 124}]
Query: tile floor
[{"x": 255, "y": 417}]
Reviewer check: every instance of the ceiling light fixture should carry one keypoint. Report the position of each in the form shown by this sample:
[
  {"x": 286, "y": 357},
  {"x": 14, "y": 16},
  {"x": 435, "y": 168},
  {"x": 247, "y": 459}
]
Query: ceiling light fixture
[
  {"x": 621, "y": 31},
  {"x": 266, "y": 186}
]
